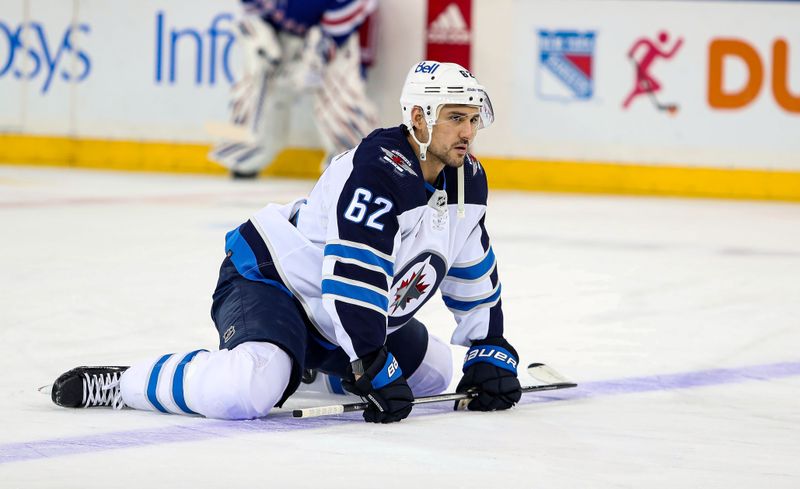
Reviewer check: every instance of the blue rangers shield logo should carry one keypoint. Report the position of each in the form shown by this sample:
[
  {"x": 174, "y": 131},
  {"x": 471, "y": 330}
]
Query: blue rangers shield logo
[{"x": 566, "y": 60}]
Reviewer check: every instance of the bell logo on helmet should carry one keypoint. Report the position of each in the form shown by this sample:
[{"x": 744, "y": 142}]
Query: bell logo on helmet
[{"x": 425, "y": 68}]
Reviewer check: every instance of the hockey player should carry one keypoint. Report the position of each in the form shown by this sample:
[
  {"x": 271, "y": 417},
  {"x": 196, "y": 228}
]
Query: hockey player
[
  {"x": 293, "y": 47},
  {"x": 333, "y": 282}
]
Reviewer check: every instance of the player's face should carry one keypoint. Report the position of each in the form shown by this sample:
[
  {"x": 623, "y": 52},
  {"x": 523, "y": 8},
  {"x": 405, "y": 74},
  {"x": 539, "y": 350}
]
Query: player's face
[{"x": 454, "y": 132}]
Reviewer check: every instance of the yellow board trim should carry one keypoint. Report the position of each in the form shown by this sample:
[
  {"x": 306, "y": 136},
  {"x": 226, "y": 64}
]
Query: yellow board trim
[
  {"x": 610, "y": 178},
  {"x": 145, "y": 156},
  {"x": 505, "y": 173}
]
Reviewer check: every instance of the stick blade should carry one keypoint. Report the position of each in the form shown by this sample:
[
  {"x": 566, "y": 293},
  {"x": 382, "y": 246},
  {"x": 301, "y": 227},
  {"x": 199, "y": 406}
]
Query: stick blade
[{"x": 546, "y": 375}]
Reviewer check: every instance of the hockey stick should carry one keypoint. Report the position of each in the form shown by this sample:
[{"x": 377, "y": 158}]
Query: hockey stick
[{"x": 551, "y": 380}]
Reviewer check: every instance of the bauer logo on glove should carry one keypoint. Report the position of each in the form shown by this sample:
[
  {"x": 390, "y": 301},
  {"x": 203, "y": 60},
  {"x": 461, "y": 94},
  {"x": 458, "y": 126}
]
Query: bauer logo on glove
[{"x": 491, "y": 354}]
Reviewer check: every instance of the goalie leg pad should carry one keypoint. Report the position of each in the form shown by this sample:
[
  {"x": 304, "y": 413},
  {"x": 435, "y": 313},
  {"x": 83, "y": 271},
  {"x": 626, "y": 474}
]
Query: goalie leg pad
[
  {"x": 267, "y": 128},
  {"x": 343, "y": 112},
  {"x": 258, "y": 105}
]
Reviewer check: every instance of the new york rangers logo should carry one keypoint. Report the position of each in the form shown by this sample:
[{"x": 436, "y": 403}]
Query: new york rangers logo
[
  {"x": 414, "y": 285},
  {"x": 565, "y": 65},
  {"x": 398, "y": 161}
]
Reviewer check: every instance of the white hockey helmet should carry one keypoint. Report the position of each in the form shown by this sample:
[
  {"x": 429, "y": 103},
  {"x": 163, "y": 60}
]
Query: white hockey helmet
[{"x": 431, "y": 84}]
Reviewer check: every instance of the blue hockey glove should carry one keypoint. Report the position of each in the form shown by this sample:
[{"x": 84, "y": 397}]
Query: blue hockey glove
[
  {"x": 382, "y": 386},
  {"x": 490, "y": 368}
]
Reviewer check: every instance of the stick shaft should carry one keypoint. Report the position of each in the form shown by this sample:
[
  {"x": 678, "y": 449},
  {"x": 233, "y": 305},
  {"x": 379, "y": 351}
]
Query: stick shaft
[{"x": 453, "y": 396}]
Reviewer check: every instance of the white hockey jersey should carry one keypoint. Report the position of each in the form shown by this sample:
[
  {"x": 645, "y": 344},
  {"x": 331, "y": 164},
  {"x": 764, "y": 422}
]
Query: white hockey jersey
[{"x": 373, "y": 242}]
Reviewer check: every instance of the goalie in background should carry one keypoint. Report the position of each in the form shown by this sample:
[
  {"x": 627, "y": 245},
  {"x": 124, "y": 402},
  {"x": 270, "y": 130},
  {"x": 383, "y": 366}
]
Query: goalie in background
[{"x": 290, "y": 48}]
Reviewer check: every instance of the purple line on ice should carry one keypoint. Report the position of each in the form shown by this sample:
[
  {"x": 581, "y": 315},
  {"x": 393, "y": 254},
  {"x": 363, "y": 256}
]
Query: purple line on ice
[
  {"x": 281, "y": 422},
  {"x": 686, "y": 380}
]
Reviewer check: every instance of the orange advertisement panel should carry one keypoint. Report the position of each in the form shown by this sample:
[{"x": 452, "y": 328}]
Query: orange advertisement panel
[{"x": 722, "y": 50}]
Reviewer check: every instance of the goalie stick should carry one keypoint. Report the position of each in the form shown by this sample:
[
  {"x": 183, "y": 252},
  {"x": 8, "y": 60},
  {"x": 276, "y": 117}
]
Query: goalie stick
[{"x": 549, "y": 378}]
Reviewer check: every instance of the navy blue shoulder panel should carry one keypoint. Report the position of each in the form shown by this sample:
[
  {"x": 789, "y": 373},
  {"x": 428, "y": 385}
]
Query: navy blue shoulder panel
[
  {"x": 383, "y": 184},
  {"x": 476, "y": 189},
  {"x": 385, "y": 159}
]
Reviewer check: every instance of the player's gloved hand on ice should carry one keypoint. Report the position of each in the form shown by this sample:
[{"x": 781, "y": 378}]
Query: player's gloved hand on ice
[
  {"x": 490, "y": 368},
  {"x": 383, "y": 387}
]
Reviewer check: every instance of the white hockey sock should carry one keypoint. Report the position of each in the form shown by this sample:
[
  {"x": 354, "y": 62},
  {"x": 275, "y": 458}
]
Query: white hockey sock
[
  {"x": 434, "y": 373},
  {"x": 241, "y": 383}
]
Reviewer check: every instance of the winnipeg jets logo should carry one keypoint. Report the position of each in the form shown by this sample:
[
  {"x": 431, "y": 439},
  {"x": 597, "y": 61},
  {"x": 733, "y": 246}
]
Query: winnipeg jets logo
[
  {"x": 410, "y": 290},
  {"x": 398, "y": 161},
  {"x": 414, "y": 285}
]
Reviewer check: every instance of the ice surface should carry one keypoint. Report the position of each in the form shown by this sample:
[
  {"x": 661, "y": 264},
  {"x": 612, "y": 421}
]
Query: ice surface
[{"x": 679, "y": 318}]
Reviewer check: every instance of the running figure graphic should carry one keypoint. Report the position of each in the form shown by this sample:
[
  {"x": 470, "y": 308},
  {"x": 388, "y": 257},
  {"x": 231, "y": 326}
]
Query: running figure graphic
[{"x": 645, "y": 83}]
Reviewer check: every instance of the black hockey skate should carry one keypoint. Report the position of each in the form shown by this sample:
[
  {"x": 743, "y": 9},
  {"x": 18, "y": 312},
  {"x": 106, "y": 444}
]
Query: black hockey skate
[
  {"x": 84, "y": 387},
  {"x": 309, "y": 376}
]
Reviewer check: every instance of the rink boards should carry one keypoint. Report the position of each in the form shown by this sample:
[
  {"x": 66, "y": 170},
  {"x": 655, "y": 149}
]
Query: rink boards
[{"x": 722, "y": 120}]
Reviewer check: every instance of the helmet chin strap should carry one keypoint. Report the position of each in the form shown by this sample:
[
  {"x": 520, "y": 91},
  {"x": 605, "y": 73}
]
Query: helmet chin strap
[{"x": 423, "y": 147}]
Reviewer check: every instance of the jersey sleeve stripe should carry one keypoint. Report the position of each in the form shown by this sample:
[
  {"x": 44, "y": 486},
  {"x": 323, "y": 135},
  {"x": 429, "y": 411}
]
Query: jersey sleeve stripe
[
  {"x": 359, "y": 255},
  {"x": 472, "y": 298},
  {"x": 474, "y": 272},
  {"x": 357, "y": 283},
  {"x": 341, "y": 29},
  {"x": 361, "y": 246},
  {"x": 375, "y": 278},
  {"x": 476, "y": 261},
  {"x": 344, "y": 14},
  {"x": 354, "y": 302},
  {"x": 349, "y": 291},
  {"x": 350, "y": 261},
  {"x": 464, "y": 306}
]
